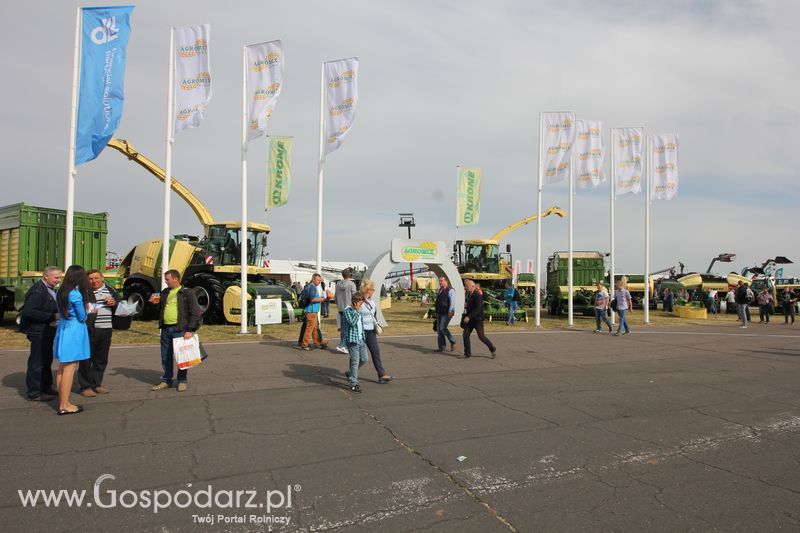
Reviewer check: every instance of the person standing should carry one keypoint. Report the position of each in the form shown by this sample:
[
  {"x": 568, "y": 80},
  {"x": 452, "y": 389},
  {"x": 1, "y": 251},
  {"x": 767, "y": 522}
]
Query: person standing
[
  {"x": 711, "y": 302},
  {"x": 669, "y": 301},
  {"x": 369, "y": 319},
  {"x": 178, "y": 316},
  {"x": 730, "y": 302},
  {"x": 788, "y": 300},
  {"x": 764, "y": 305},
  {"x": 601, "y": 308},
  {"x": 90, "y": 371},
  {"x": 71, "y": 343},
  {"x": 741, "y": 304},
  {"x": 345, "y": 288},
  {"x": 353, "y": 329},
  {"x": 511, "y": 299},
  {"x": 38, "y": 318},
  {"x": 473, "y": 319},
  {"x": 624, "y": 306},
  {"x": 445, "y": 308},
  {"x": 314, "y": 296}
]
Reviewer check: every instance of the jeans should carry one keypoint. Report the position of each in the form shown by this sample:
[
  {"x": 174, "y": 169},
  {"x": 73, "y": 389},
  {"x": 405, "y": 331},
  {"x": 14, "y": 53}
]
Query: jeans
[
  {"x": 442, "y": 331},
  {"x": 763, "y": 313},
  {"x": 375, "y": 351},
  {"x": 600, "y": 314},
  {"x": 39, "y": 377},
  {"x": 622, "y": 321},
  {"x": 512, "y": 309},
  {"x": 342, "y": 342},
  {"x": 744, "y": 314},
  {"x": 90, "y": 371},
  {"x": 358, "y": 358},
  {"x": 167, "y": 360},
  {"x": 477, "y": 325},
  {"x": 711, "y": 306}
]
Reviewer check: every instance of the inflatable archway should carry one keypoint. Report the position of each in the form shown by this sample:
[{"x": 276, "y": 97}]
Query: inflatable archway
[{"x": 434, "y": 254}]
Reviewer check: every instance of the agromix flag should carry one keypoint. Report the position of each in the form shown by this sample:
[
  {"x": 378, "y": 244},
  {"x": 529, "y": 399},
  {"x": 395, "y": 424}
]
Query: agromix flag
[
  {"x": 341, "y": 97},
  {"x": 559, "y": 134},
  {"x": 589, "y": 148},
  {"x": 628, "y": 159},
  {"x": 665, "y": 166},
  {"x": 104, "y": 40},
  {"x": 192, "y": 75},
  {"x": 264, "y": 82},
  {"x": 468, "y": 209},
  {"x": 279, "y": 171}
]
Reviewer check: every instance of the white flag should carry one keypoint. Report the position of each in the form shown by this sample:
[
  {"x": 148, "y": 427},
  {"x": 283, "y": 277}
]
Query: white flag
[
  {"x": 192, "y": 75},
  {"x": 665, "y": 166},
  {"x": 264, "y": 82},
  {"x": 589, "y": 147},
  {"x": 628, "y": 159},
  {"x": 559, "y": 134},
  {"x": 341, "y": 97}
]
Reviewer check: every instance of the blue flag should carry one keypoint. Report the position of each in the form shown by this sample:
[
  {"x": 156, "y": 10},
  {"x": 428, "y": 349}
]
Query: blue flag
[{"x": 104, "y": 38}]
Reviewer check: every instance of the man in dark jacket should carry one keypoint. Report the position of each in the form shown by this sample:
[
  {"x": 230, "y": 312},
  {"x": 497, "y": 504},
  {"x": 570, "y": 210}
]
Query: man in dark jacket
[
  {"x": 473, "y": 319},
  {"x": 742, "y": 302},
  {"x": 38, "y": 319},
  {"x": 178, "y": 316},
  {"x": 99, "y": 321},
  {"x": 444, "y": 307}
]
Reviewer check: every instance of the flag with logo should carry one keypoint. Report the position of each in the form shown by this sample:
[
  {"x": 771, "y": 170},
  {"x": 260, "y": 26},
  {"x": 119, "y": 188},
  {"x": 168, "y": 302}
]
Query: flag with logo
[
  {"x": 559, "y": 134},
  {"x": 104, "y": 41},
  {"x": 192, "y": 75},
  {"x": 665, "y": 166},
  {"x": 279, "y": 171},
  {"x": 468, "y": 209},
  {"x": 341, "y": 98},
  {"x": 628, "y": 159},
  {"x": 589, "y": 149},
  {"x": 264, "y": 82}
]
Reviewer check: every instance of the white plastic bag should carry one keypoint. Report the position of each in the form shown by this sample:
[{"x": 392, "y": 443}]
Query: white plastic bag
[{"x": 186, "y": 352}]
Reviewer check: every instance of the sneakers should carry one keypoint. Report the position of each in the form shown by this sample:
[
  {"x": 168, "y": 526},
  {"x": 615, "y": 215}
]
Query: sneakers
[
  {"x": 160, "y": 386},
  {"x": 43, "y": 397},
  {"x": 494, "y": 354},
  {"x": 355, "y": 388},
  {"x": 88, "y": 393},
  {"x": 742, "y": 327},
  {"x": 181, "y": 387},
  {"x": 342, "y": 349},
  {"x": 616, "y": 334},
  {"x": 597, "y": 331},
  {"x": 385, "y": 379},
  {"x": 439, "y": 350}
]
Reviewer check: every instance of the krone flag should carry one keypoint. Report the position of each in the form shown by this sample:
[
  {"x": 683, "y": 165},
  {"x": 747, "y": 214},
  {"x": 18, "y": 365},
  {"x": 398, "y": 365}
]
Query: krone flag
[
  {"x": 341, "y": 98},
  {"x": 104, "y": 40},
  {"x": 264, "y": 83},
  {"x": 559, "y": 134},
  {"x": 589, "y": 148},
  {"x": 469, "y": 196},
  {"x": 279, "y": 171},
  {"x": 192, "y": 75},
  {"x": 628, "y": 159},
  {"x": 665, "y": 166}
]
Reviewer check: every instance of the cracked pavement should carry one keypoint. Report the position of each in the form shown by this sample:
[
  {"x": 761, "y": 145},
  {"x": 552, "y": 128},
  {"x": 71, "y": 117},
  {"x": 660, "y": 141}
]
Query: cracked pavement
[{"x": 690, "y": 429}]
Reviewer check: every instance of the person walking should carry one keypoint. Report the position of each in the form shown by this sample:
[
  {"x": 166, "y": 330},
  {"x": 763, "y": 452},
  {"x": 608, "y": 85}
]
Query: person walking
[
  {"x": 71, "y": 343},
  {"x": 314, "y": 296},
  {"x": 511, "y": 299},
  {"x": 741, "y": 304},
  {"x": 179, "y": 315},
  {"x": 788, "y": 299},
  {"x": 345, "y": 288},
  {"x": 711, "y": 302},
  {"x": 445, "y": 308},
  {"x": 624, "y": 306},
  {"x": 765, "y": 304},
  {"x": 473, "y": 319},
  {"x": 369, "y": 320},
  {"x": 601, "y": 308},
  {"x": 353, "y": 329},
  {"x": 38, "y": 318},
  {"x": 99, "y": 323}
]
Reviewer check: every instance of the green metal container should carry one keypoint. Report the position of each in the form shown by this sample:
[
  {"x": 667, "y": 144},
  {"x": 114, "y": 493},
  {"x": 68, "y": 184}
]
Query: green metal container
[{"x": 587, "y": 269}]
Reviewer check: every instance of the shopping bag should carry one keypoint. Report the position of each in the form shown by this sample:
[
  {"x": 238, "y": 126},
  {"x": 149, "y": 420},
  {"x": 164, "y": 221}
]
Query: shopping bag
[{"x": 186, "y": 352}]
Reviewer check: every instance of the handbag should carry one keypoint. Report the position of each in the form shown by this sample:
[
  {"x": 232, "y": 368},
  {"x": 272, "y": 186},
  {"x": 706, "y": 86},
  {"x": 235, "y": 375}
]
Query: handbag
[
  {"x": 378, "y": 329},
  {"x": 614, "y": 304},
  {"x": 436, "y": 325}
]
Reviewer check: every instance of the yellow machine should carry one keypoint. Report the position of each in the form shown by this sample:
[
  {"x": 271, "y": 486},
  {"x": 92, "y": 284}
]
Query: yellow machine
[
  {"x": 210, "y": 265},
  {"x": 481, "y": 259}
]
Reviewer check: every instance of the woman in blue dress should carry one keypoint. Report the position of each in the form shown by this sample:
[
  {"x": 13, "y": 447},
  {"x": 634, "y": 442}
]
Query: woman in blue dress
[{"x": 72, "y": 337}]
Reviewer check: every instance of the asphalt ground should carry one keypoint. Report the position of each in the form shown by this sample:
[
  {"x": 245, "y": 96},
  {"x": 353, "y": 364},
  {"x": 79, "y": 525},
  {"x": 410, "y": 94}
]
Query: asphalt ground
[{"x": 667, "y": 429}]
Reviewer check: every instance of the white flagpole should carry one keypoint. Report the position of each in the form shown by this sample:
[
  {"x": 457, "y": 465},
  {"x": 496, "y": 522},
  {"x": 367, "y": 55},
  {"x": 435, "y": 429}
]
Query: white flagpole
[
  {"x": 570, "y": 208},
  {"x": 613, "y": 201},
  {"x": 321, "y": 162},
  {"x": 647, "y": 235},
  {"x": 168, "y": 169},
  {"x": 73, "y": 126},
  {"x": 243, "y": 238},
  {"x": 539, "y": 230}
]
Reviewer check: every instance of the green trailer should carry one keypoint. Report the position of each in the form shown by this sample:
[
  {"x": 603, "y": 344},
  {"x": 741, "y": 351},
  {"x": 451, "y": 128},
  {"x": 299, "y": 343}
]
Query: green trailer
[
  {"x": 32, "y": 238},
  {"x": 587, "y": 269}
]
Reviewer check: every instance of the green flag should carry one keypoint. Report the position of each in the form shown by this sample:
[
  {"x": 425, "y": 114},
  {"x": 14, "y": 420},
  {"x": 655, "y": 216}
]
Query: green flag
[
  {"x": 469, "y": 196},
  {"x": 279, "y": 170}
]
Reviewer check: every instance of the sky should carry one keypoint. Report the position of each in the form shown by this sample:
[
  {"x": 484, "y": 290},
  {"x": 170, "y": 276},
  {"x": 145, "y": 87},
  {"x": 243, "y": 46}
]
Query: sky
[{"x": 441, "y": 84}]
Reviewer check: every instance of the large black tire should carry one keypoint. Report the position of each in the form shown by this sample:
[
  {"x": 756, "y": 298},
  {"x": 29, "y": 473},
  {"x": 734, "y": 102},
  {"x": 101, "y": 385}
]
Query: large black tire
[
  {"x": 209, "y": 291},
  {"x": 139, "y": 292}
]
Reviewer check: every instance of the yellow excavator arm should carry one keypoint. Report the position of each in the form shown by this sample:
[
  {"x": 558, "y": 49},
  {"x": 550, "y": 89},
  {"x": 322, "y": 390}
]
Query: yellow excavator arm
[
  {"x": 186, "y": 195},
  {"x": 555, "y": 210}
]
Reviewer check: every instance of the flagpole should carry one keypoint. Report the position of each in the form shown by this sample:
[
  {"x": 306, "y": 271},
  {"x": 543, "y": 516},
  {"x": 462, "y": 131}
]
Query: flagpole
[
  {"x": 612, "y": 201},
  {"x": 73, "y": 126},
  {"x": 168, "y": 169},
  {"x": 570, "y": 208},
  {"x": 647, "y": 234},
  {"x": 243, "y": 238},
  {"x": 320, "y": 163},
  {"x": 539, "y": 230}
]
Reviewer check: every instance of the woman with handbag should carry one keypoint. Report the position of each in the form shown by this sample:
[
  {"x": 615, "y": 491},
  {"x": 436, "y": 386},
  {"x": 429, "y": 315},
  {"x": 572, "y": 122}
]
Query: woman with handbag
[{"x": 369, "y": 317}]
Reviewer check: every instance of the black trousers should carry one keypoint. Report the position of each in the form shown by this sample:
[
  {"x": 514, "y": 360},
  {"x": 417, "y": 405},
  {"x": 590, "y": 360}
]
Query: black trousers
[
  {"x": 90, "y": 371},
  {"x": 39, "y": 377},
  {"x": 788, "y": 310},
  {"x": 375, "y": 351},
  {"x": 477, "y": 325}
]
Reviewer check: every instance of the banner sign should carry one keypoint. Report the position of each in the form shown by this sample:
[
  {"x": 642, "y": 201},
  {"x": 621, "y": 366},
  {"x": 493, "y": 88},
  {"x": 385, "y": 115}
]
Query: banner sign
[
  {"x": 264, "y": 82},
  {"x": 559, "y": 134},
  {"x": 341, "y": 97},
  {"x": 468, "y": 210},
  {"x": 410, "y": 251},
  {"x": 665, "y": 166},
  {"x": 279, "y": 171},
  {"x": 268, "y": 310},
  {"x": 529, "y": 266},
  {"x": 589, "y": 149},
  {"x": 104, "y": 40},
  {"x": 628, "y": 159},
  {"x": 192, "y": 75}
]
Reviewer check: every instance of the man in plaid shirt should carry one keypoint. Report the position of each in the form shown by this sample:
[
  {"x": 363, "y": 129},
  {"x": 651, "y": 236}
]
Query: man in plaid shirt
[{"x": 353, "y": 335}]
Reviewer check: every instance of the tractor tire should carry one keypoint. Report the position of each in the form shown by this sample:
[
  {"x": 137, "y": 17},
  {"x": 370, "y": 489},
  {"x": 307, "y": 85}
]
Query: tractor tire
[
  {"x": 139, "y": 293},
  {"x": 209, "y": 291}
]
